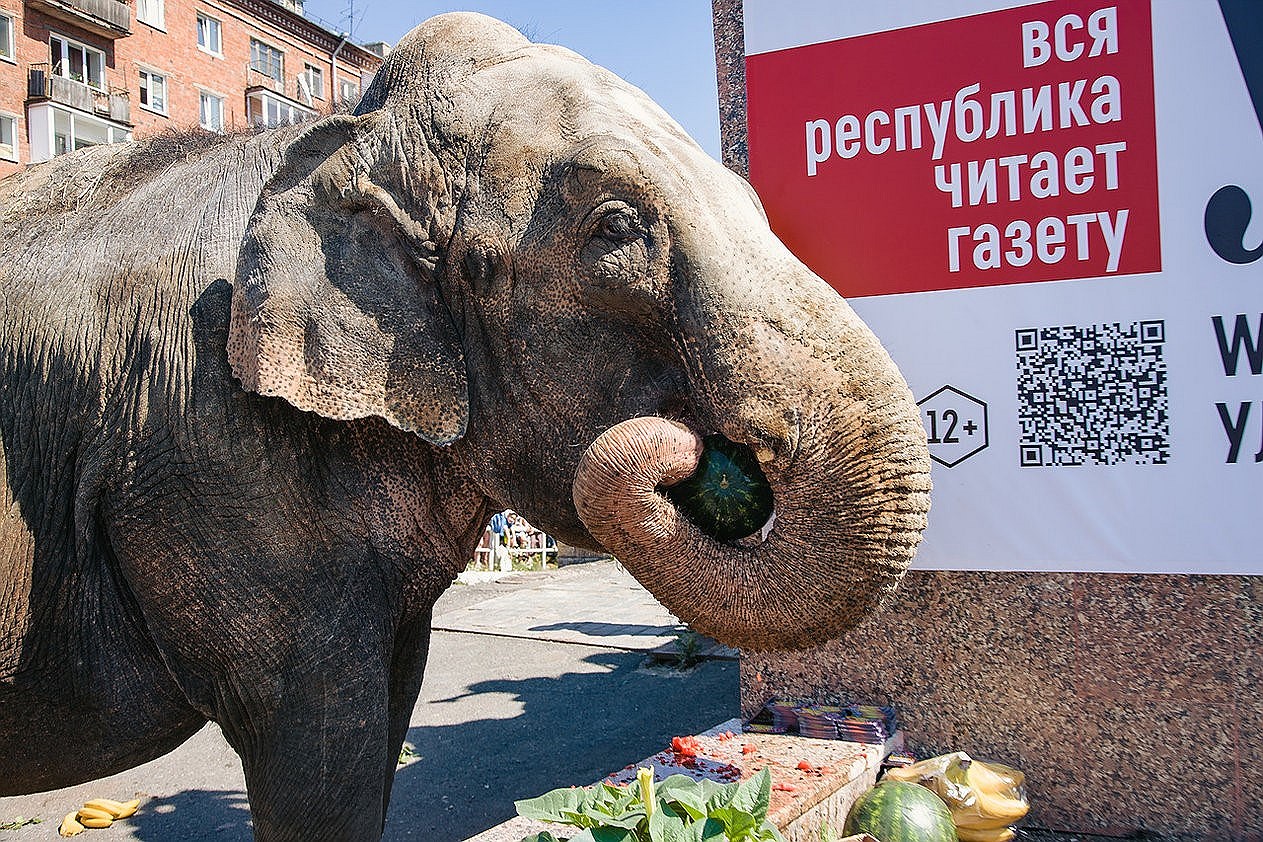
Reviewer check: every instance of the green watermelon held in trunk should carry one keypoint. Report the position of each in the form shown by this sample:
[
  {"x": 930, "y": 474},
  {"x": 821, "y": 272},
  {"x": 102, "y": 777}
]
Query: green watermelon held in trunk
[
  {"x": 898, "y": 811},
  {"x": 727, "y": 497}
]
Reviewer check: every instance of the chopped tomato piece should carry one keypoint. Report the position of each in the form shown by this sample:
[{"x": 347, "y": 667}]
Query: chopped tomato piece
[{"x": 687, "y": 746}]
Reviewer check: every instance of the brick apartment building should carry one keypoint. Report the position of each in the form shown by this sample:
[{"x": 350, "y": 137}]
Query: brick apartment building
[{"x": 75, "y": 73}]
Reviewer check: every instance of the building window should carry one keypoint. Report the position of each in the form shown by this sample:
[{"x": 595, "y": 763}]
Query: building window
[
  {"x": 263, "y": 108},
  {"x": 79, "y": 62},
  {"x": 8, "y": 137},
  {"x": 349, "y": 91},
  {"x": 267, "y": 60},
  {"x": 311, "y": 84},
  {"x": 153, "y": 91},
  {"x": 208, "y": 37},
  {"x": 72, "y": 131},
  {"x": 7, "y": 51},
  {"x": 211, "y": 109},
  {"x": 152, "y": 12}
]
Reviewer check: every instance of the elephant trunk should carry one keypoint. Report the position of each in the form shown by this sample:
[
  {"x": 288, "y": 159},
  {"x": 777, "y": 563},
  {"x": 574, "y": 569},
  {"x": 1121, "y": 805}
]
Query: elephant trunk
[{"x": 846, "y": 458}]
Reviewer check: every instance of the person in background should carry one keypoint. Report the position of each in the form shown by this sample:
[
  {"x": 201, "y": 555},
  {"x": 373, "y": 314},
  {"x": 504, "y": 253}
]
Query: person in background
[
  {"x": 520, "y": 532},
  {"x": 499, "y": 526}
]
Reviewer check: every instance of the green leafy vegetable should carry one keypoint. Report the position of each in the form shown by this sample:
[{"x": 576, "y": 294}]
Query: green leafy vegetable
[{"x": 679, "y": 809}]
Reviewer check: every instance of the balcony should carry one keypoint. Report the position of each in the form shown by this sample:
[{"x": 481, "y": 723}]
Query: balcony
[
  {"x": 110, "y": 103},
  {"x": 265, "y": 108},
  {"x": 107, "y": 18},
  {"x": 258, "y": 79}
]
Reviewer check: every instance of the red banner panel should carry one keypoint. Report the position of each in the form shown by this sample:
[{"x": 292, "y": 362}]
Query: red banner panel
[{"x": 1001, "y": 148}]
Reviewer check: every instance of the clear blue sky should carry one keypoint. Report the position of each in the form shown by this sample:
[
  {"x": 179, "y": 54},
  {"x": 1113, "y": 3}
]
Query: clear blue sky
[{"x": 664, "y": 47}]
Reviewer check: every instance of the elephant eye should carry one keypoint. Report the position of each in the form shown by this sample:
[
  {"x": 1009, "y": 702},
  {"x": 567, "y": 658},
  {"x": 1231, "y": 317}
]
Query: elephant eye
[{"x": 620, "y": 226}]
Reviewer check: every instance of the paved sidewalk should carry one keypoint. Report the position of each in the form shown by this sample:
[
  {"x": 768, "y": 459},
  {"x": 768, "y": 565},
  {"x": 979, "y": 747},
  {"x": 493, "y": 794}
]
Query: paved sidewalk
[{"x": 598, "y": 604}]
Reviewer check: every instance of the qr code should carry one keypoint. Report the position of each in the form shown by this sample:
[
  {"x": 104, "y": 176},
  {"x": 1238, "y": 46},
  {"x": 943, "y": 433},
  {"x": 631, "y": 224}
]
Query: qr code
[{"x": 1093, "y": 395}]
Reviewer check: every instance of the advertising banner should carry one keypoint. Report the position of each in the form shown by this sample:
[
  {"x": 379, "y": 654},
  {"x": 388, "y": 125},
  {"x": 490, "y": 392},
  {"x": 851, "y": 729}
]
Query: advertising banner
[{"x": 1044, "y": 210}]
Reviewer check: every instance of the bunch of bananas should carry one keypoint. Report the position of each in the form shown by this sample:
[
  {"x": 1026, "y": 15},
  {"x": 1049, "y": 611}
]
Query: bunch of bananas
[
  {"x": 984, "y": 798},
  {"x": 997, "y": 803},
  {"x": 99, "y": 812}
]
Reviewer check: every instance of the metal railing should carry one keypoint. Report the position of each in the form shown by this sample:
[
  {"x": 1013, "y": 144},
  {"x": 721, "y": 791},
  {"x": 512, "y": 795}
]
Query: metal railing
[
  {"x": 114, "y": 12},
  {"x": 109, "y": 17},
  {"x": 111, "y": 103},
  {"x": 525, "y": 545},
  {"x": 257, "y": 78}
]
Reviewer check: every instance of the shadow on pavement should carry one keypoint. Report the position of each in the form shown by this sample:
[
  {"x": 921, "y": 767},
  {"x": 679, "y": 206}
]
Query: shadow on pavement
[
  {"x": 572, "y": 729},
  {"x": 194, "y": 814},
  {"x": 611, "y": 629}
]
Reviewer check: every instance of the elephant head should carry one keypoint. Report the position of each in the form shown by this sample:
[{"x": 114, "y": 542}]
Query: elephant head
[{"x": 511, "y": 252}]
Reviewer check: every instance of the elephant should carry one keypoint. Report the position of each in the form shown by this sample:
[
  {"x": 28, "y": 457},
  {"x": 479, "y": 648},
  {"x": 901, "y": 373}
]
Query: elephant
[{"x": 262, "y": 392}]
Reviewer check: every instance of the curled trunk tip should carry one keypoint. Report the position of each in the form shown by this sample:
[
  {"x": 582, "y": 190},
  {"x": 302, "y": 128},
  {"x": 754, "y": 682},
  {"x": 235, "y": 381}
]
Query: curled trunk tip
[{"x": 842, "y": 539}]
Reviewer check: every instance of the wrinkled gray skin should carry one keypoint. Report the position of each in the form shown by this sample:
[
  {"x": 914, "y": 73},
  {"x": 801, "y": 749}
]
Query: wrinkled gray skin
[{"x": 261, "y": 395}]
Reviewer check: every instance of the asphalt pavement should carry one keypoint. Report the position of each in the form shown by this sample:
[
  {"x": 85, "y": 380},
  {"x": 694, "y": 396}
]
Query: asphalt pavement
[{"x": 534, "y": 681}]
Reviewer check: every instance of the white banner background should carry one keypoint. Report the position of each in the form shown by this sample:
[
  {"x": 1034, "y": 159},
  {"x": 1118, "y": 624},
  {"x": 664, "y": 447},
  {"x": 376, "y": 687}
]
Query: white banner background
[{"x": 1195, "y": 513}]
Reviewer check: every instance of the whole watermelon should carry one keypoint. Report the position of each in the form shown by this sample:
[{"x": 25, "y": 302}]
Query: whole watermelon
[
  {"x": 898, "y": 811},
  {"x": 727, "y": 497}
]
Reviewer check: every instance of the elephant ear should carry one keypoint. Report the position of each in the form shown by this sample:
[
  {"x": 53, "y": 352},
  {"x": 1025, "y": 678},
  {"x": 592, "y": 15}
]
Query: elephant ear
[{"x": 336, "y": 308}]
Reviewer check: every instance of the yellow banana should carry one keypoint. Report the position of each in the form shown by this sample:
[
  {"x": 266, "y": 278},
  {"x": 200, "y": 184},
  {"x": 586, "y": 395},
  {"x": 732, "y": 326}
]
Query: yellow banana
[
  {"x": 70, "y": 826},
  {"x": 974, "y": 819},
  {"x": 1001, "y": 834},
  {"x": 109, "y": 805},
  {"x": 985, "y": 779},
  {"x": 1002, "y": 807},
  {"x": 1013, "y": 778},
  {"x": 94, "y": 817},
  {"x": 129, "y": 808},
  {"x": 995, "y": 800},
  {"x": 87, "y": 811}
]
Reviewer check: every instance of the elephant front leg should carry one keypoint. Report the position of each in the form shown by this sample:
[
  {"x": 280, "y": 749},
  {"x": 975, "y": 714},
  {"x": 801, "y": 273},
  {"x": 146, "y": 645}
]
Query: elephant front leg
[
  {"x": 412, "y": 648},
  {"x": 314, "y": 744}
]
